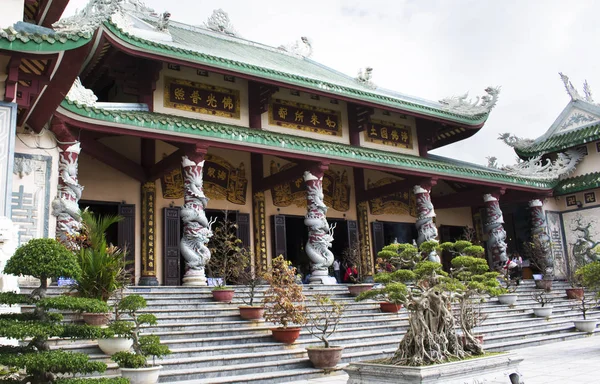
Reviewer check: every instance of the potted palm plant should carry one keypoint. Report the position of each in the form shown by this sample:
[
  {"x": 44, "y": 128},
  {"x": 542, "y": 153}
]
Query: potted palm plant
[
  {"x": 542, "y": 298},
  {"x": 323, "y": 320},
  {"x": 134, "y": 365},
  {"x": 284, "y": 301}
]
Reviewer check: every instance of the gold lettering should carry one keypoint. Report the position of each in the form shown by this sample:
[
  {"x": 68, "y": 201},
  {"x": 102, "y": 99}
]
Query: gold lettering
[
  {"x": 373, "y": 131},
  {"x": 227, "y": 103},
  {"x": 384, "y": 133},
  {"x": 282, "y": 112},
  {"x": 211, "y": 172},
  {"x": 394, "y": 135},
  {"x": 211, "y": 101},
  {"x": 299, "y": 116},
  {"x": 404, "y": 136},
  {"x": 222, "y": 175},
  {"x": 195, "y": 96},
  {"x": 314, "y": 119},
  {"x": 179, "y": 94},
  {"x": 330, "y": 123}
]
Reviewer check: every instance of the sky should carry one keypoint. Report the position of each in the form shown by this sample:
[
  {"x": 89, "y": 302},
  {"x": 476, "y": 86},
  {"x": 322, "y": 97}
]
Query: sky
[{"x": 436, "y": 48}]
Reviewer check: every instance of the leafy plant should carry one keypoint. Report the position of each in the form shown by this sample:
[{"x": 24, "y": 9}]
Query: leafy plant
[
  {"x": 143, "y": 346},
  {"x": 119, "y": 328},
  {"x": 103, "y": 265},
  {"x": 227, "y": 260},
  {"x": 75, "y": 304},
  {"x": 541, "y": 298},
  {"x": 43, "y": 259},
  {"x": 284, "y": 300},
  {"x": 394, "y": 291},
  {"x": 537, "y": 254},
  {"x": 589, "y": 275},
  {"x": 102, "y": 380},
  {"x": 324, "y": 318}
]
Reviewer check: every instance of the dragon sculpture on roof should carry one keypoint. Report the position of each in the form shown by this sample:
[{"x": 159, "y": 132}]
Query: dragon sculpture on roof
[{"x": 480, "y": 106}]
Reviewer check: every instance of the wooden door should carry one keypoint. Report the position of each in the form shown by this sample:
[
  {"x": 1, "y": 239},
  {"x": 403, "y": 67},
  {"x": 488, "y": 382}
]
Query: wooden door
[
  {"x": 279, "y": 236},
  {"x": 171, "y": 253},
  {"x": 378, "y": 237},
  {"x": 126, "y": 235}
]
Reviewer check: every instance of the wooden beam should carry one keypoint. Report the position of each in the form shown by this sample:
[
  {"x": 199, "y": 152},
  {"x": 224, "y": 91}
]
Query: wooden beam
[
  {"x": 10, "y": 92},
  {"x": 358, "y": 121},
  {"x": 257, "y": 169},
  {"x": 165, "y": 165},
  {"x": 359, "y": 184},
  {"x": 112, "y": 158},
  {"x": 387, "y": 189},
  {"x": 279, "y": 178},
  {"x": 465, "y": 198}
]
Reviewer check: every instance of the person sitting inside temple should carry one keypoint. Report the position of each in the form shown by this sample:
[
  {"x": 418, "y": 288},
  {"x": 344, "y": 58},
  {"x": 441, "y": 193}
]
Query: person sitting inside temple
[{"x": 351, "y": 275}]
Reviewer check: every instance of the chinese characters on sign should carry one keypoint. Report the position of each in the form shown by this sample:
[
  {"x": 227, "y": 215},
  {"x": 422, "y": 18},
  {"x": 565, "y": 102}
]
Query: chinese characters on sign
[
  {"x": 202, "y": 98},
  {"x": 589, "y": 197},
  {"x": 388, "y": 133},
  {"x": 398, "y": 203},
  {"x": 305, "y": 117},
  {"x": 148, "y": 227},
  {"x": 559, "y": 254},
  {"x": 571, "y": 200}
]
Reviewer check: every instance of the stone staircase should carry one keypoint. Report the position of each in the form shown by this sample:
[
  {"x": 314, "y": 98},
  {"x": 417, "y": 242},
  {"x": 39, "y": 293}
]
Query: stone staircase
[{"x": 211, "y": 344}]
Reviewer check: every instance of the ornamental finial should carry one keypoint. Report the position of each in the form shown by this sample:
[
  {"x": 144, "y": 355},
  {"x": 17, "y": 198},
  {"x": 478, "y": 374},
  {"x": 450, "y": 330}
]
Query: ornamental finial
[
  {"x": 571, "y": 90},
  {"x": 219, "y": 22},
  {"x": 364, "y": 77},
  {"x": 89, "y": 18},
  {"x": 481, "y": 105}
]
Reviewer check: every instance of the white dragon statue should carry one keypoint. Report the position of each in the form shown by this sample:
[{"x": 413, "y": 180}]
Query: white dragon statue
[
  {"x": 497, "y": 235},
  {"x": 538, "y": 168},
  {"x": 320, "y": 235},
  {"x": 539, "y": 233},
  {"x": 196, "y": 227},
  {"x": 480, "y": 106},
  {"x": 425, "y": 225},
  {"x": 65, "y": 206}
]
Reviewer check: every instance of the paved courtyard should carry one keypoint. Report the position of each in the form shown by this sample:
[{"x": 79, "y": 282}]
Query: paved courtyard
[{"x": 567, "y": 362}]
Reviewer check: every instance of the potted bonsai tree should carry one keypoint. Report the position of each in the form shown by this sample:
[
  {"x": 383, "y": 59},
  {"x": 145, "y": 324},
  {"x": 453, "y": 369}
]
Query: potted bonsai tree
[
  {"x": 542, "y": 298},
  {"x": 252, "y": 308},
  {"x": 323, "y": 320},
  {"x": 509, "y": 296},
  {"x": 393, "y": 294},
  {"x": 118, "y": 336},
  {"x": 351, "y": 259},
  {"x": 284, "y": 301},
  {"x": 589, "y": 276},
  {"x": 537, "y": 254},
  {"x": 227, "y": 260},
  {"x": 33, "y": 361},
  {"x": 134, "y": 365}
]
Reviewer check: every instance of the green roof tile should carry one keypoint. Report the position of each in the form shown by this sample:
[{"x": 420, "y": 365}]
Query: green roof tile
[
  {"x": 233, "y": 54},
  {"x": 25, "y": 37},
  {"x": 578, "y": 183},
  {"x": 233, "y": 134},
  {"x": 563, "y": 141}
]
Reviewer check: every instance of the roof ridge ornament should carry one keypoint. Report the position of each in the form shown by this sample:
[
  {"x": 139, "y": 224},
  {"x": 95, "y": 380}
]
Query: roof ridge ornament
[
  {"x": 163, "y": 22},
  {"x": 80, "y": 95},
  {"x": 89, "y": 18},
  {"x": 514, "y": 141},
  {"x": 364, "y": 77},
  {"x": 587, "y": 91},
  {"x": 302, "y": 47},
  {"x": 481, "y": 106},
  {"x": 219, "y": 22},
  {"x": 537, "y": 168},
  {"x": 572, "y": 91}
]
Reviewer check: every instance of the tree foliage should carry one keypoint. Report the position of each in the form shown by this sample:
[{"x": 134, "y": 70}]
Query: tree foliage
[
  {"x": 324, "y": 318},
  {"x": 228, "y": 259},
  {"x": 284, "y": 300}
]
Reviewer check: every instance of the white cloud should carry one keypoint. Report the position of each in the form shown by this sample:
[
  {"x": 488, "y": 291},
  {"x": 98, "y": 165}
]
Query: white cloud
[{"x": 436, "y": 48}]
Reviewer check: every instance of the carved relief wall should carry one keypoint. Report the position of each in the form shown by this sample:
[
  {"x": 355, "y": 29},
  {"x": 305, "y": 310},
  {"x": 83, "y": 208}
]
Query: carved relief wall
[
  {"x": 582, "y": 232},
  {"x": 557, "y": 243}
]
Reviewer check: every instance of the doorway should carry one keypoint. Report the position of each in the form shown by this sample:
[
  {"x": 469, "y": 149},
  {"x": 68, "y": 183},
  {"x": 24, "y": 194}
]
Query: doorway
[{"x": 386, "y": 232}]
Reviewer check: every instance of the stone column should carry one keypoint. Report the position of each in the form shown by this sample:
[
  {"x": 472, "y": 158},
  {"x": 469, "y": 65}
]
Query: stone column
[
  {"x": 66, "y": 204},
  {"x": 426, "y": 228},
  {"x": 496, "y": 244},
  {"x": 320, "y": 235},
  {"x": 539, "y": 233},
  {"x": 148, "y": 275},
  {"x": 196, "y": 227}
]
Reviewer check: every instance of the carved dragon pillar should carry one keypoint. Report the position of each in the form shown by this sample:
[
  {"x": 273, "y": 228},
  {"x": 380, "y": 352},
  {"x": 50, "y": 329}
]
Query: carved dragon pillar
[
  {"x": 539, "y": 233},
  {"x": 66, "y": 204},
  {"x": 320, "y": 235},
  {"x": 496, "y": 244},
  {"x": 196, "y": 227},
  {"x": 426, "y": 228}
]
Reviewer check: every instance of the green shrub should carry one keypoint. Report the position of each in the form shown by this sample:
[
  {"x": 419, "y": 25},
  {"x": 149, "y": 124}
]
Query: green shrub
[
  {"x": 75, "y": 304},
  {"x": 132, "y": 303},
  {"x": 129, "y": 360},
  {"x": 118, "y": 328},
  {"x": 39, "y": 364},
  {"x": 12, "y": 298},
  {"x": 589, "y": 275},
  {"x": 103, "y": 380},
  {"x": 43, "y": 259}
]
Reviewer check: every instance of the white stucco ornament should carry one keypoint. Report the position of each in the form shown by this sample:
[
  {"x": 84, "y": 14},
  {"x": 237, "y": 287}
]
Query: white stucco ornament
[
  {"x": 302, "y": 47},
  {"x": 364, "y": 77},
  {"x": 514, "y": 141},
  {"x": 79, "y": 94},
  {"x": 538, "y": 169},
  {"x": 219, "y": 22},
  {"x": 479, "y": 106},
  {"x": 89, "y": 18}
]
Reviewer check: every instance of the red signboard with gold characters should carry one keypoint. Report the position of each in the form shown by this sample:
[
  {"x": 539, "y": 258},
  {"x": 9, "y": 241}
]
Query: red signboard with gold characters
[
  {"x": 202, "y": 98},
  {"x": 304, "y": 117},
  {"x": 388, "y": 133}
]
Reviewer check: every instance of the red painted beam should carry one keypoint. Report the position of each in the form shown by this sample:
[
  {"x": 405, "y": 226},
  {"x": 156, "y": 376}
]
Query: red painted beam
[
  {"x": 10, "y": 92},
  {"x": 141, "y": 53},
  {"x": 112, "y": 158},
  {"x": 165, "y": 165},
  {"x": 387, "y": 189},
  {"x": 50, "y": 11},
  {"x": 61, "y": 83}
]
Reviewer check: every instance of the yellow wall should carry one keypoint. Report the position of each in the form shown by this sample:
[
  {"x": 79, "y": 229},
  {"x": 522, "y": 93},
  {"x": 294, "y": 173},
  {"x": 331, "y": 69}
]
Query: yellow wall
[{"x": 590, "y": 163}]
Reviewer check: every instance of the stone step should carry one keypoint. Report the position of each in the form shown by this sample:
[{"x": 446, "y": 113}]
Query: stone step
[{"x": 500, "y": 345}]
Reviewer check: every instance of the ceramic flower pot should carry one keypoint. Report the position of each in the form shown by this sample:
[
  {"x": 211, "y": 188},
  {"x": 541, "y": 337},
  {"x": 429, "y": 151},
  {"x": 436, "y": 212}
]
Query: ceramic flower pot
[
  {"x": 223, "y": 295},
  {"x": 251, "y": 312},
  {"x": 509, "y": 298},
  {"x": 357, "y": 289},
  {"x": 98, "y": 319},
  {"x": 390, "y": 307},
  {"x": 113, "y": 345},
  {"x": 544, "y": 311},
  {"x": 574, "y": 293},
  {"x": 286, "y": 335},
  {"x": 323, "y": 358},
  {"x": 586, "y": 325},
  {"x": 142, "y": 375}
]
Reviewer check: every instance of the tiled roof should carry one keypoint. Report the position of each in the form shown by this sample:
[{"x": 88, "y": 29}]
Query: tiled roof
[
  {"x": 578, "y": 183},
  {"x": 278, "y": 141},
  {"x": 29, "y": 37},
  {"x": 198, "y": 45},
  {"x": 563, "y": 141}
]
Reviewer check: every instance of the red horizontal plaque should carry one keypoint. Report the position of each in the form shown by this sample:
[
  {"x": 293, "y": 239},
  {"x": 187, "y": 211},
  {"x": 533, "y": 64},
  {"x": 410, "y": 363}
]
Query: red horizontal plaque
[
  {"x": 202, "y": 98},
  {"x": 305, "y": 117},
  {"x": 388, "y": 133}
]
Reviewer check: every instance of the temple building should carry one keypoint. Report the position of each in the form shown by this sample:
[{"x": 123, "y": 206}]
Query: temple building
[{"x": 173, "y": 126}]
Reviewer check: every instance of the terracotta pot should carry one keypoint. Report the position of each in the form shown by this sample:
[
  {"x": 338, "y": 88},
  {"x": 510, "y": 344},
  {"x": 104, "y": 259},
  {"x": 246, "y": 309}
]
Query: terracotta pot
[
  {"x": 357, "y": 289},
  {"x": 324, "y": 357},
  {"x": 544, "y": 284},
  {"x": 390, "y": 307},
  {"x": 251, "y": 312},
  {"x": 286, "y": 335},
  {"x": 95, "y": 318},
  {"x": 574, "y": 293},
  {"x": 224, "y": 295}
]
